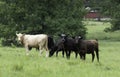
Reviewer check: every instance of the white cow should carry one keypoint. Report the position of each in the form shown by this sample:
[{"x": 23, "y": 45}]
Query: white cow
[{"x": 39, "y": 41}]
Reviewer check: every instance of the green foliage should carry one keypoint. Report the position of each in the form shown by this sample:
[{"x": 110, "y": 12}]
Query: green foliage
[{"x": 41, "y": 16}]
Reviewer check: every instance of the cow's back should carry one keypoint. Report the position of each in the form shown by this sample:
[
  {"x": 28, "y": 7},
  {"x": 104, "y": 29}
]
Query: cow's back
[{"x": 35, "y": 40}]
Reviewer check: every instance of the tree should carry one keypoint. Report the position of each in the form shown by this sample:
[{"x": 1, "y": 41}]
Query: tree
[{"x": 41, "y": 16}]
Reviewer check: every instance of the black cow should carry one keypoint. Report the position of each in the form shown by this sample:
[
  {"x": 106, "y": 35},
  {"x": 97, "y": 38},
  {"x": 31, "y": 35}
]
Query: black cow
[
  {"x": 69, "y": 45},
  {"x": 87, "y": 47},
  {"x": 58, "y": 46}
]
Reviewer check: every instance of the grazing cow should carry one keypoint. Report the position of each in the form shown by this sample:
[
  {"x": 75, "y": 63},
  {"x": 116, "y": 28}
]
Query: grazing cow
[
  {"x": 87, "y": 47},
  {"x": 50, "y": 42},
  {"x": 57, "y": 48},
  {"x": 39, "y": 41},
  {"x": 69, "y": 45}
]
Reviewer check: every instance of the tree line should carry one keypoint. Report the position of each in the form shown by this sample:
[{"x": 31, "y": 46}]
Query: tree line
[
  {"x": 51, "y": 17},
  {"x": 41, "y": 16}
]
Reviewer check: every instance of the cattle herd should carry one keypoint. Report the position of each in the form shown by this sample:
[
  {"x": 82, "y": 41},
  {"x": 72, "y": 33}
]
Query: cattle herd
[{"x": 64, "y": 44}]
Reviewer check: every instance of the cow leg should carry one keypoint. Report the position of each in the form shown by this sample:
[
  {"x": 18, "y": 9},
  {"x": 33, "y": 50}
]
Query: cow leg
[
  {"x": 62, "y": 53},
  {"x": 27, "y": 50},
  {"x": 93, "y": 56},
  {"x": 80, "y": 55},
  {"x": 47, "y": 51},
  {"x": 69, "y": 54},
  {"x": 57, "y": 53},
  {"x": 97, "y": 54},
  {"x": 40, "y": 50},
  {"x": 84, "y": 56}
]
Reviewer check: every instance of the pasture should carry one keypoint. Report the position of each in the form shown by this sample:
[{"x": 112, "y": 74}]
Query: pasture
[{"x": 14, "y": 62}]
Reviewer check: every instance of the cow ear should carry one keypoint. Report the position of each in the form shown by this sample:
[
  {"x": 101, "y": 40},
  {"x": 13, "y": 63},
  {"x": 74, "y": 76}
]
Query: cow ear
[{"x": 79, "y": 37}]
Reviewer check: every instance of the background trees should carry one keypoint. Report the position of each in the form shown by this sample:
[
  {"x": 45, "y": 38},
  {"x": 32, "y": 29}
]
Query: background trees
[
  {"x": 41, "y": 16},
  {"x": 110, "y": 8}
]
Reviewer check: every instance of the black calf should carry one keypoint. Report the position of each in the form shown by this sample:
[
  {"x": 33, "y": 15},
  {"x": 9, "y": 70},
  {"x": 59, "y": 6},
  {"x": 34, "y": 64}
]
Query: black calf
[{"x": 87, "y": 47}]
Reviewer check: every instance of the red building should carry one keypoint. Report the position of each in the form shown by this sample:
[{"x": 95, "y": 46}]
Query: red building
[{"x": 93, "y": 15}]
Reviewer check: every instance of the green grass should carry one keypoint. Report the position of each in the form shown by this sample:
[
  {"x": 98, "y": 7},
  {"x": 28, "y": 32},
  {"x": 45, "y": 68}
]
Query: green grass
[
  {"x": 14, "y": 62},
  {"x": 96, "y": 30}
]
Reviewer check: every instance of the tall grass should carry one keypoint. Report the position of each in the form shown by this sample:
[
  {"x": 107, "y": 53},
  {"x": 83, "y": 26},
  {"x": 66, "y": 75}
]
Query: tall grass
[{"x": 14, "y": 63}]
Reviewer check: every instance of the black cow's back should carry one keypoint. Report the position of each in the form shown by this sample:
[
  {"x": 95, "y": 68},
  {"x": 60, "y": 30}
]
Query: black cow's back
[{"x": 50, "y": 42}]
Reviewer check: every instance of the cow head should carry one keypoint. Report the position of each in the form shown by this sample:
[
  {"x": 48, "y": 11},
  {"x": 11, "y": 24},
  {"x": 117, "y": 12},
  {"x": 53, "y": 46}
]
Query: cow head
[
  {"x": 78, "y": 38},
  {"x": 63, "y": 37},
  {"x": 51, "y": 53},
  {"x": 20, "y": 37}
]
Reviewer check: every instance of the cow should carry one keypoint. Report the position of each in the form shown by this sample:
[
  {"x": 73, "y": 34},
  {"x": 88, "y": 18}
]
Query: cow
[
  {"x": 69, "y": 45},
  {"x": 58, "y": 47},
  {"x": 39, "y": 41},
  {"x": 87, "y": 47}
]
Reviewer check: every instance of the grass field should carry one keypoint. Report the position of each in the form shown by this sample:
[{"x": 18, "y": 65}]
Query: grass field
[
  {"x": 96, "y": 30},
  {"x": 14, "y": 62}
]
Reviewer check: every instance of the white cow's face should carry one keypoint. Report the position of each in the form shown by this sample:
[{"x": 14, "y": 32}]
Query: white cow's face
[{"x": 19, "y": 36}]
